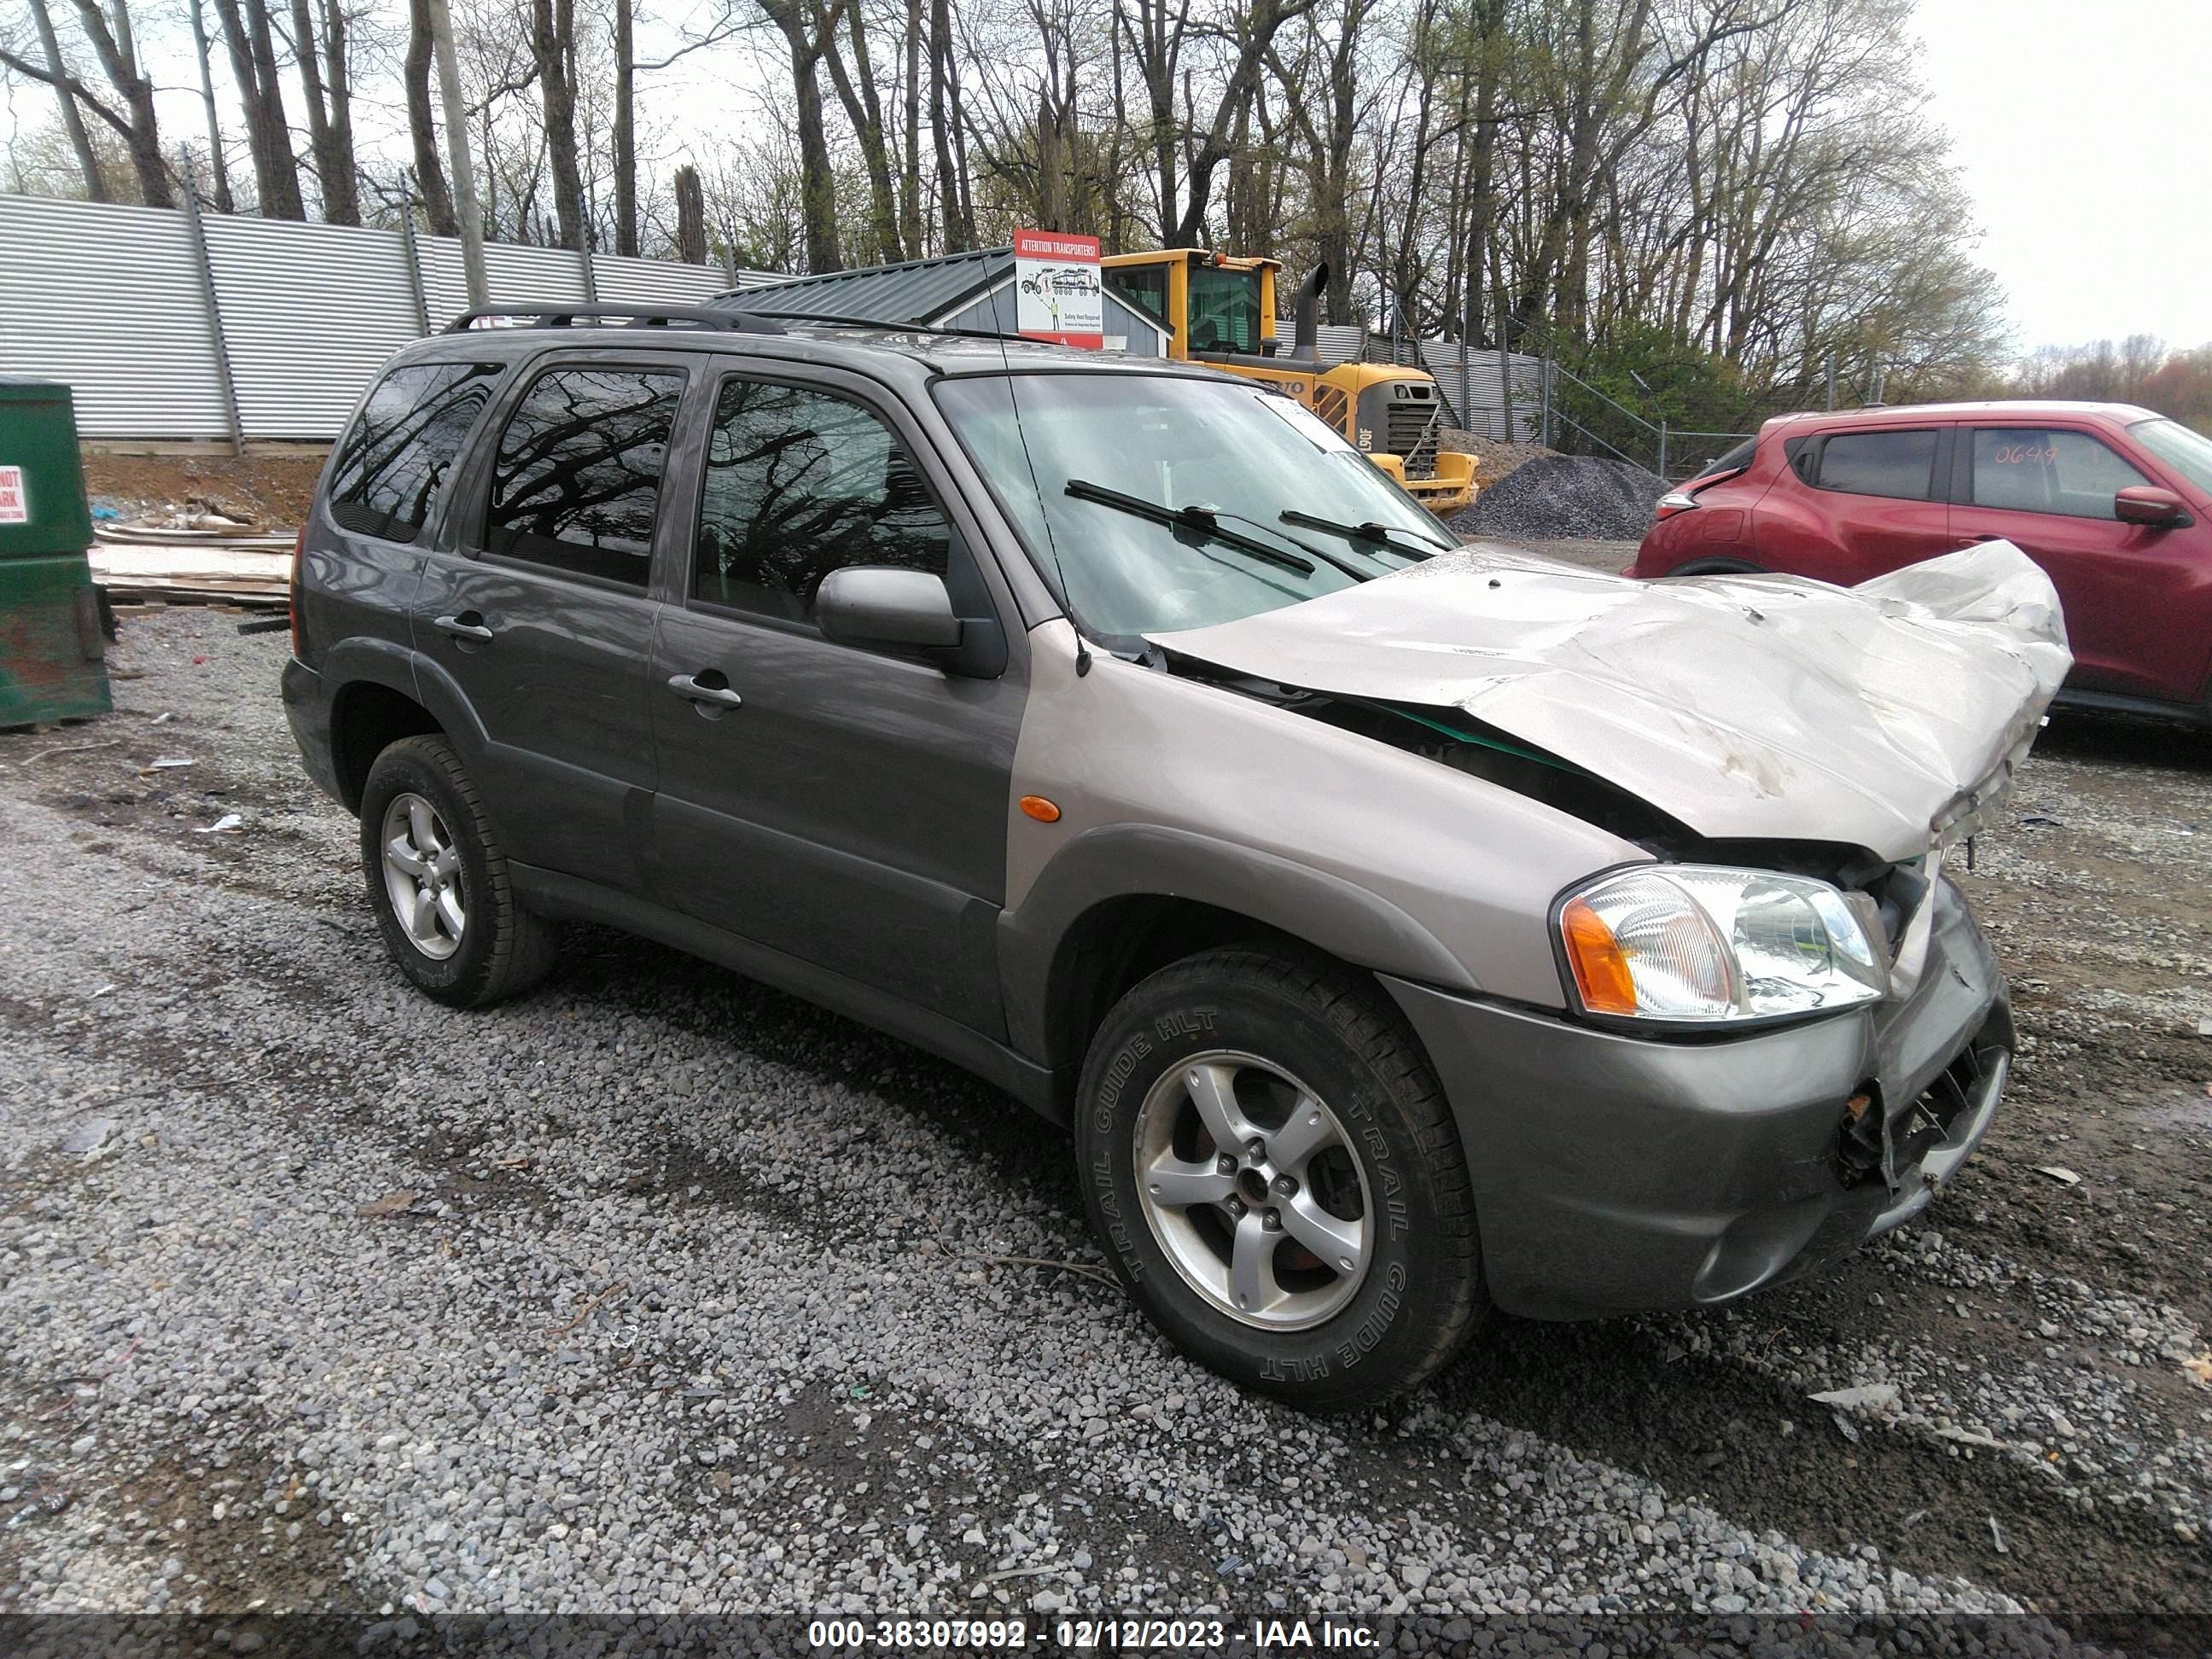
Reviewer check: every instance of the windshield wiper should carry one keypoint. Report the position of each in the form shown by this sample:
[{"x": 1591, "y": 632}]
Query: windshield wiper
[
  {"x": 1368, "y": 531},
  {"x": 1200, "y": 519}
]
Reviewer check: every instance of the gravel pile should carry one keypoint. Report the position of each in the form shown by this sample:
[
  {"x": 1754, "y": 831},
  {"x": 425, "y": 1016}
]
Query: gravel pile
[
  {"x": 1564, "y": 497},
  {"x": 657, "y": 1292}
]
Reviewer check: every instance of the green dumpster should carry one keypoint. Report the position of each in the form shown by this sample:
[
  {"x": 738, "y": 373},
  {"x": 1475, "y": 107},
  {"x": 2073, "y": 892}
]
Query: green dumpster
[{"x": 51, "y": 657}]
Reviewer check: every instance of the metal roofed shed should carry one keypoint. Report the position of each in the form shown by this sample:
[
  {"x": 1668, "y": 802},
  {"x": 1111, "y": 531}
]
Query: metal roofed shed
[{"x": 973, "y": 290}]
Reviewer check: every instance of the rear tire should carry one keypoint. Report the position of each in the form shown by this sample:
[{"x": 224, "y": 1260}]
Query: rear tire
[
  {"x": 1716, "y": 567},
  {"x": 439, "y": 883},
  {"x": 1336, "y": 1263}
]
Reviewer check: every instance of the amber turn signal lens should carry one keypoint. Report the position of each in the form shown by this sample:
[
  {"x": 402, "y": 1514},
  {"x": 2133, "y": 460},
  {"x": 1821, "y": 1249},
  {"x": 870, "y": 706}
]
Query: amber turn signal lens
[
  {"x": 1040, "y": 809},
  {"x": 1601, "y": 966}
]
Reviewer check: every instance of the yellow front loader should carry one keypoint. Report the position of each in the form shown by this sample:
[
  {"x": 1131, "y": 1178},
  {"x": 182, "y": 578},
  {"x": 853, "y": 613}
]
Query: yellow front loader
[{"x": 1220, "y": 310}]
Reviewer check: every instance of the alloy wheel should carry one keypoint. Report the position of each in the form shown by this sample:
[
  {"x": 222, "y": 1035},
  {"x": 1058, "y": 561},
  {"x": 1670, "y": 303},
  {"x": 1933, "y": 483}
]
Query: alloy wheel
[
  {"x": 422, "y": 876},
  {"x": 1253, "y": 1190}
]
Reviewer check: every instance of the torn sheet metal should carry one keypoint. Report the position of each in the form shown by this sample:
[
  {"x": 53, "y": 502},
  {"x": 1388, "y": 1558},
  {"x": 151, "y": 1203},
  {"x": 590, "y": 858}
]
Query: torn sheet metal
[{"x": 1890, "y": 715}]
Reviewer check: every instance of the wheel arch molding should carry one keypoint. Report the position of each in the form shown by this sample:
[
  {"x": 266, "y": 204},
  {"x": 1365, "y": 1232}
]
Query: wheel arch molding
[{"x": 1069, "y": 945}]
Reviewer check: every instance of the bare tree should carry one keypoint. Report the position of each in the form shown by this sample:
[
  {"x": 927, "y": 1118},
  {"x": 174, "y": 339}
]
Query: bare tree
[
  {"x": 251, "y": 46},
  {"x": 326, "y": 80},
  {"x": 421, "y": 125}
]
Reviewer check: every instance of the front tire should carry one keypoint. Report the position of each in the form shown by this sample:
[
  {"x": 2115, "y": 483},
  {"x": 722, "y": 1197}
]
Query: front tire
[
  {"x": 1271, "y": 1163},
  {"x": 439, "y": 883}
]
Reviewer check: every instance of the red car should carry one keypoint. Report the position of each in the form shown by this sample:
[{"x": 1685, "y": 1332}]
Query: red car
[{"x": 2114, "y": 502}]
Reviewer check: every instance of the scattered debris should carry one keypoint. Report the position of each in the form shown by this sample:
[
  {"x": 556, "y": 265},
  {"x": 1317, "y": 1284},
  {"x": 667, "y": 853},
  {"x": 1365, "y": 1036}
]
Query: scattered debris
[
  {"x": 168, "y": 763},
  {"x": 101, "y": 991},
  {"x": 1968, "y": 1438},
  {"x": 228, "y": 823},
  {"x": 2040, "y": 821},
  {"x": 1996, "y": 1534},
  {"x": 163, "y": 718},
  {"x": 1867, "y": 1396},
  {"x": 589, "y": 1304},
  {"x": 238, "y": 573},
  {"x": 71, "y": 749},
  {"x": 1850, "y": 1429},
  {"x": 2059, "y": 1173},
  {"x": 1912, "y": 1520},
  {"x": 1084, "y": 1268},
  {"x": 2200, "y": 1367},
  {"x": 2204, "y": 1027},
  {"x": 392, "y": 1203},
  {"x": 88, "y": 1138}
]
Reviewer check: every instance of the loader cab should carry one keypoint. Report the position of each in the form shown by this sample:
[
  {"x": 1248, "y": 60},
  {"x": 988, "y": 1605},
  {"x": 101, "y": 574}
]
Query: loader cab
[{"x": 1213, "y": 306}]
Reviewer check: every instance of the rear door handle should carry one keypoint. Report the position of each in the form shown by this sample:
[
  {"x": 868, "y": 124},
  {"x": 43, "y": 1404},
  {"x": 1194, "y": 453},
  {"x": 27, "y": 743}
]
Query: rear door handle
[
  {"x": 687, "y": 686},
  {"x": 466, "y": 626}
]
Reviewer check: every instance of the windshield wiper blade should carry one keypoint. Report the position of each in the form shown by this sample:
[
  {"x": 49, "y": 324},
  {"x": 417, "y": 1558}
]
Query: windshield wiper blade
[
  {"x": 1202, "y": 518},
  {"x": 1368, "y": 531}
]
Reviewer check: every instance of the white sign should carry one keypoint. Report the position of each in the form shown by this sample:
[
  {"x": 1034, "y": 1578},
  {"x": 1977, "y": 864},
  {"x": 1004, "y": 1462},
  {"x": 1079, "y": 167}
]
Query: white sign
[
  {"x": 1058, "y": 294},
  {"x": 15, "y": 505}
]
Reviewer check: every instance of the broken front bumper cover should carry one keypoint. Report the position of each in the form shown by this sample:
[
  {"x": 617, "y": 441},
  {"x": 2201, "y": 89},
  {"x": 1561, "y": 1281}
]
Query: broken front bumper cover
[{"x": 1616, "y": 1173}]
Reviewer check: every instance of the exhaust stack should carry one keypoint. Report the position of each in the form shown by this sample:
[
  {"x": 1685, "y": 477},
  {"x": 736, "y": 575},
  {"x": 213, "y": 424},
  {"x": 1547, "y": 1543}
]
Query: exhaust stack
[{"x": 1307, "y": 315}]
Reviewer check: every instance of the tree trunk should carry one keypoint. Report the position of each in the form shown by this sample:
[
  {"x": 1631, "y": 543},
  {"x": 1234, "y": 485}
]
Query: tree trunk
[
  {"x": 944, "y": 114},
  {"x": 552, "y": 37},
  {"x": 421, "y": 127},
  {"x": 87, "y": 163},
  {"x": 331, "y": 149},
  {"x": 337, "y": 73},
  {"x": 117, "y": 51},
  {"x": 910, "y": 178},
  {"x": 216, "y": 165},
  {"x": 268, "y": 138},
  {"x": 625, "y": 130},
  {"x": 817, "y": 180},
  {"x": 691, "y": 217},
  {"x": 864, "y": 111}
]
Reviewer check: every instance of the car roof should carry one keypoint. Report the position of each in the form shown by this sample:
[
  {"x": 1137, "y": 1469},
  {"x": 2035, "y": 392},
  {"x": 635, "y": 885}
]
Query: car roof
[
  {"x": 2032, "y": 408},
  {"x": 884, "y": 350}
]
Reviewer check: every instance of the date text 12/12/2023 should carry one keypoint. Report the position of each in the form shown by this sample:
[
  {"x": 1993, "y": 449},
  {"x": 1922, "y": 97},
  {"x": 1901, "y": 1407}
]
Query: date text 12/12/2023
[{"x": 1079, "y": 1635}]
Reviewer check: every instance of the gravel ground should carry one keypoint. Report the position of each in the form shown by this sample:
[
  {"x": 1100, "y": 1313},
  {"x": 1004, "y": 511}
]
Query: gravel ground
[
  {"x": 658, "y": 1289},
  {"x": 1564, "y": 495}
]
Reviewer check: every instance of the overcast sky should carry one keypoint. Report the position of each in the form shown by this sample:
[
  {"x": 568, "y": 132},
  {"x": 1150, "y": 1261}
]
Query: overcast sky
[{"x": 2084, "y": 132}]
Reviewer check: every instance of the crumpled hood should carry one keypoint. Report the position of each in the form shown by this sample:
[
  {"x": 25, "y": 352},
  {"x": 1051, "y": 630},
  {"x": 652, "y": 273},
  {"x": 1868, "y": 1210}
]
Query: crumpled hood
[{"x": 1886, "y": 715}]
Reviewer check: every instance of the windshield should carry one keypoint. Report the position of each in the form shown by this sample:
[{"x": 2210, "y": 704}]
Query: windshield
[
  {"x": 1246, "y": 454},
  {"x": 2187, "y": 452},
  {"x": 1224, "y": 309}
]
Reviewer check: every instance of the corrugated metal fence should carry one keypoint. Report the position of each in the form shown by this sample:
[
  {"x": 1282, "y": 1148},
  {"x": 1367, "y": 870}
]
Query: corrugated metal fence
[{"x": 169, "y": 327}]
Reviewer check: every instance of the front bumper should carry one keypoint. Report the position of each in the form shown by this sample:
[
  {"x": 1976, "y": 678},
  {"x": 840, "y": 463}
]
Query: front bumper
[{"x": 1616, "y": 1173}]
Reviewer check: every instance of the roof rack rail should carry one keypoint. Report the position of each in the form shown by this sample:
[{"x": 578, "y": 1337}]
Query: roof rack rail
[{"x": 637, "y": 316}]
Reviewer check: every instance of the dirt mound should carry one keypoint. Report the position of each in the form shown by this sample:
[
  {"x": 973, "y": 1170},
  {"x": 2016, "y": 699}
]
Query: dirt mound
[
  {"x": 1565, "y": 497},
  {"x": 265, "y": 490}
]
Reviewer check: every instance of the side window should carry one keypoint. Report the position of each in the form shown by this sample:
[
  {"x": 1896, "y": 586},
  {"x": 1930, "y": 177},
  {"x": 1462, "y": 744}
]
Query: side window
[
  {"x": 2031, "y": 470},
  {"x": 1894, "y": 464},
  {"x": 801, "y": 484},
  {"x": 387, "y": 471},
  {"x": 577, "y": 483}
]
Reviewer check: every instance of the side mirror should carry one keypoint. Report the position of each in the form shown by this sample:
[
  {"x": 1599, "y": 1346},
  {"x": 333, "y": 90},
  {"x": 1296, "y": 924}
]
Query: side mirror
[
  {"x": 879, "y": 605},
  {"x": 2147, "y": 504}
]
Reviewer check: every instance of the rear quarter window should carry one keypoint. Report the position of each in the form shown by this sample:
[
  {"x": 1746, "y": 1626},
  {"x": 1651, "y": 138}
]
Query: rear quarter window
[
  {"x": 1900, "y": 464},
  {"x": 386, "y": 473}
]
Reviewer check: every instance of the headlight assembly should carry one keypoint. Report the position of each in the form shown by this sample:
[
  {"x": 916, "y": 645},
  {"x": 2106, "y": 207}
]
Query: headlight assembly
[{"x": 1703, "y": 945}]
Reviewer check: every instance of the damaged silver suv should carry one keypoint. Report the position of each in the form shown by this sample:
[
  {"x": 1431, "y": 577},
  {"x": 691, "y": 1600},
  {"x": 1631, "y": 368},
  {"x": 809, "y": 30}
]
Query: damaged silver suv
[{"x": 1404, "y": 931}]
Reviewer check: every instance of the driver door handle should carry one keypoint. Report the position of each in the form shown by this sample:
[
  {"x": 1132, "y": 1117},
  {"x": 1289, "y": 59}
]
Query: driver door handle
[
  {"x": 466, "y": 626},
  {"x": 687, "y": 687}
]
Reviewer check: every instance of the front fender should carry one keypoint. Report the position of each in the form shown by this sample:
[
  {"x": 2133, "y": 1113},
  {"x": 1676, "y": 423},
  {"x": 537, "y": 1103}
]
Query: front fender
[{"x": 1130, "y": 860}]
